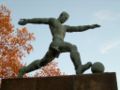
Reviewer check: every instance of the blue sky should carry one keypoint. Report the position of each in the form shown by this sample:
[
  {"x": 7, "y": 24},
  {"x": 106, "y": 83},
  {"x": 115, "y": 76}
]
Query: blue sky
[{"x": 101, "y": 44}]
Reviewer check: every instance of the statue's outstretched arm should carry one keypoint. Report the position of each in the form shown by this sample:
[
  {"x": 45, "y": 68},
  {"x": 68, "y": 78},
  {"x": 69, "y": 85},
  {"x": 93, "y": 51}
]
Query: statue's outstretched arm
[
  {"x": 81, "y": 28},
  {"x": 34, "y": 21}
]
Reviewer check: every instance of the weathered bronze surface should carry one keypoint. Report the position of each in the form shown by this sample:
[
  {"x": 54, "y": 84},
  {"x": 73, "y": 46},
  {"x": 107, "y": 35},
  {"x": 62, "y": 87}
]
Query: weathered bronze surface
[{"x": 58, "y": 45}]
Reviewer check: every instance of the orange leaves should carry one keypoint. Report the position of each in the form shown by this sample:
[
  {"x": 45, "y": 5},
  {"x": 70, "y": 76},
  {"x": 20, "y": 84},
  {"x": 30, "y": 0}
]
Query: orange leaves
[
  {"x": 5, "y": 21},
  {"x": 23, "y": 36},
  {"x": 51, "y": 69},
  {"x": 13, "y": 46}
]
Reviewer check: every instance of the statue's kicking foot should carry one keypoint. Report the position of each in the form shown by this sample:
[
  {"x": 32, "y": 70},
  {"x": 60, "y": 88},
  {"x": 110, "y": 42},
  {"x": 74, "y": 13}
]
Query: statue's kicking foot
[
  {"x": 21, "y": 72},
  {"x": 82, "y": 68}
]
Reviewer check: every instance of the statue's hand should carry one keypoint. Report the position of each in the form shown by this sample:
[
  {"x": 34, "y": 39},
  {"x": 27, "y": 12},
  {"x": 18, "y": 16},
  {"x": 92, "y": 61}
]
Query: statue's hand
[
  {"x": 95, "y": 26},
  {"x": 22, "y": 22}
]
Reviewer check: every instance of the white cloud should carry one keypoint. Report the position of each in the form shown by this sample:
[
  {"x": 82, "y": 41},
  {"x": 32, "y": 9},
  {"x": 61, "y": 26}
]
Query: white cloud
[
  {"x": 105, "y": 15},
  {"x": 109, "y": 46}
]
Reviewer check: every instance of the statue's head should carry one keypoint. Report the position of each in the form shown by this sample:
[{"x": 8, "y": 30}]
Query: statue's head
[{"x": 63, "y": 17}]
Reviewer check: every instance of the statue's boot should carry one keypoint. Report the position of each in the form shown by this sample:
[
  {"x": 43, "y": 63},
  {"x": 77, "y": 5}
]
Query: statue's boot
[{"x": 82, "y": 68}]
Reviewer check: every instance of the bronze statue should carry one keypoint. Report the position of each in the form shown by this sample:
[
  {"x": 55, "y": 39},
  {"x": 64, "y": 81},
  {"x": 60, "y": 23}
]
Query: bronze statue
[{"x": 58, "y": 45}]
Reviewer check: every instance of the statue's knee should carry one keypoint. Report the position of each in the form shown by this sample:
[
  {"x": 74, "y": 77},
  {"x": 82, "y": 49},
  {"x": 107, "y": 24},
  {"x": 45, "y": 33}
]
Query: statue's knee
[{"x": 74, "y": 48}]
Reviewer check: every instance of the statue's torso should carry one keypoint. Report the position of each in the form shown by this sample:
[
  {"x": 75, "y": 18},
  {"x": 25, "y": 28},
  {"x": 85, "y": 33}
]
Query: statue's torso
[{"x": 58, "y": 30}]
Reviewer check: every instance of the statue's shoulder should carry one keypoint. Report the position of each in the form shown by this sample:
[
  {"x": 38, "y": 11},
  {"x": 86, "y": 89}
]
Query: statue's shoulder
[{"x": 52, "y": 20}]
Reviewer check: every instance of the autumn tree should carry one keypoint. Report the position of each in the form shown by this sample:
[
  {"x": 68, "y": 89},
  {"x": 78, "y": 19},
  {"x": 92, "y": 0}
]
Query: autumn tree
[
  {"x": 14, "y": 44},
  {"x": 51, "y": 69}
]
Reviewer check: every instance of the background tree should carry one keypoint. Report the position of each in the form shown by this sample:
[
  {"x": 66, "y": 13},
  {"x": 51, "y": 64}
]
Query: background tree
[
  {"x": 51, "y": 69},
  {"x": 14, "y": 44}
]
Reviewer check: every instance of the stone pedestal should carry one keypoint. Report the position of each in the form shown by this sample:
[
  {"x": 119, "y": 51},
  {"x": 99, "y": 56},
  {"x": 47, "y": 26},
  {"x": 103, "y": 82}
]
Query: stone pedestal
[{"x": 105, "y": 81}]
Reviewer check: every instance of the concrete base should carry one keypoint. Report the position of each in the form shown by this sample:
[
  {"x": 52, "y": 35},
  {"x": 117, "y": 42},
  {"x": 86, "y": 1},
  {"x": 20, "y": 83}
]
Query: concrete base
[{"x": 105, "y": 81}]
